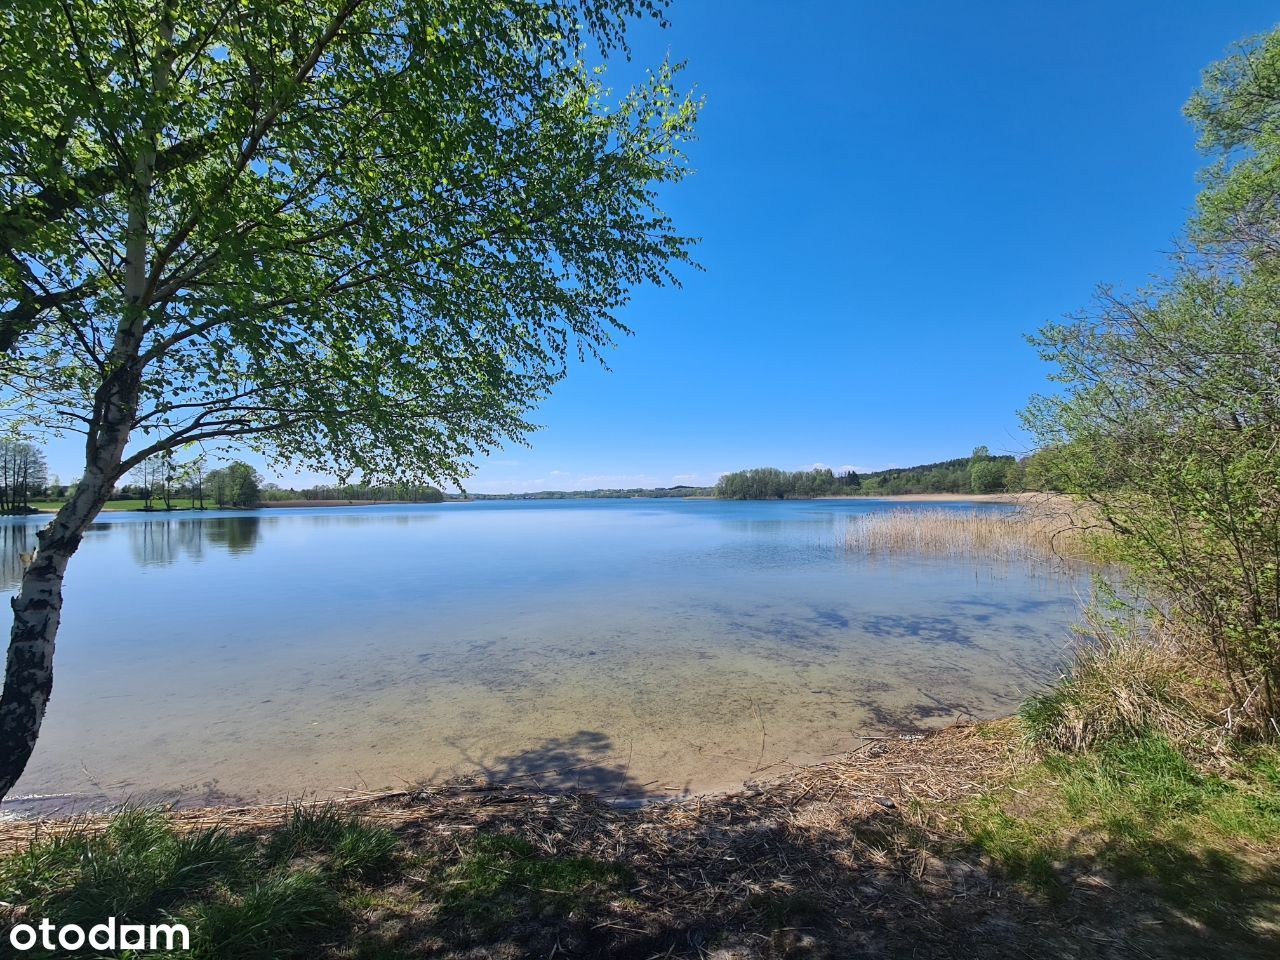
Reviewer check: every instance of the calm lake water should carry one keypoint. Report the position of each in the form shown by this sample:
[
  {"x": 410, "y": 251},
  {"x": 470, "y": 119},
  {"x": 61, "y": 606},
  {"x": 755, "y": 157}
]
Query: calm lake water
[{"x": 633, "y": 647}]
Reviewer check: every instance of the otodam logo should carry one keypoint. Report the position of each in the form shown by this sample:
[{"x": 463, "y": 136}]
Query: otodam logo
[{"x": 108, "y": 935}]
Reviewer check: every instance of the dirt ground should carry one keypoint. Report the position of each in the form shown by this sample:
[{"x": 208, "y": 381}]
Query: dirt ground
[{"x": 859, "y": 857}]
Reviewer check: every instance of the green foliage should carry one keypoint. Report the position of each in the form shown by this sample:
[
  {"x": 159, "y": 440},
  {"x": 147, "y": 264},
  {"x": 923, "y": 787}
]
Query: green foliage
[
  {"x": 1235, "y": 111},
  {"x": 1144, "y": 778},
  {"x": 1170, "y": 423},
  {"x": 139, "y": 867},
  {"x": 235, "y": 485},
  {"x": 271, "y": 920},
  {"x": 244, "y": 897},
  {"x": 1169, "y": 415},
  {"x": 946, "y": 476},
  {"x": 501, "y": 877},
  {"x": 769, "y": 483},
  {"x": 987, "y": 476},
  {"x": 1039, "y": 470},
  {"x": 980, "y": 473},
  {"x": 1137, "y": 806},
  {"x": 360, "y": 237}
]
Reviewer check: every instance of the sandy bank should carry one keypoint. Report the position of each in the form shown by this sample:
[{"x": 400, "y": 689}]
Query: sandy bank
[{"x": 881, "y": 773}]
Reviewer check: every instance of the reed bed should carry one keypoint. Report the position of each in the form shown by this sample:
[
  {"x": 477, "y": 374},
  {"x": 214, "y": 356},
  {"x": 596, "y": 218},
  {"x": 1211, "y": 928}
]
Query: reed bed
[{"x": 1033, "y": 532}]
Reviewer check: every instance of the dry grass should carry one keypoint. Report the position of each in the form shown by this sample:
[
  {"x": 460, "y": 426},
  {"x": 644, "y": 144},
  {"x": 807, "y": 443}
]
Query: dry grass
[
  {"x": 1127, "y": 679},
  {"x": 1037, "y": 531}
]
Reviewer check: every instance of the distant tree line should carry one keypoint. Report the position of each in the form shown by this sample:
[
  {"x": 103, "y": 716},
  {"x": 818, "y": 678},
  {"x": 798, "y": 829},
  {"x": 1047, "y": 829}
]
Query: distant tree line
[
  {"x": 402, "y": 492},
  {"x": 162, "y": 482},
  {"x": 769, "y": 483},
  {"x": 980, "y": 472},
  {"x": 237, "y": 484},
  {"x": 165, "y": 483}
]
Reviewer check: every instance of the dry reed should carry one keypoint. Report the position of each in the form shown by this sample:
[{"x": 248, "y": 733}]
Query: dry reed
[
  {"x": 1030, "y": 533},
  {"x": 1128, "y": 678}
]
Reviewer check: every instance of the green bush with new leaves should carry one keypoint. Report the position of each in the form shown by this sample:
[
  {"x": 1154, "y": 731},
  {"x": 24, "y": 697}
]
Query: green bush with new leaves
[{"x": 1168, "y": 420}]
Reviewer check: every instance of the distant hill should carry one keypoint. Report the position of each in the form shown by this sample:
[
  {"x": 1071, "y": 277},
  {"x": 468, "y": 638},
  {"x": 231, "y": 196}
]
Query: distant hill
[{"x": 978, "y": 473}]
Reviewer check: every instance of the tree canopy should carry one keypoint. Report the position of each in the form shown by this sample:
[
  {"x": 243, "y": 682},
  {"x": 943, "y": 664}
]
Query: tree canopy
[
  {"x": 359, "y": 237},
  {"x": 235, "y": 485}
]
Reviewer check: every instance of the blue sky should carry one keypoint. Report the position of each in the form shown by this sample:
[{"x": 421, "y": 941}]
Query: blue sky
[{"x": 889, "y": 195}]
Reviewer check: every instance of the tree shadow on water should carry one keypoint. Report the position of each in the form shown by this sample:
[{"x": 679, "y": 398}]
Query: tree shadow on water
[{"x": 585, "y": 762}]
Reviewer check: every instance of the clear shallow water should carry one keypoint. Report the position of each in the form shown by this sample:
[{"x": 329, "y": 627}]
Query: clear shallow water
[{"x": 637, "y": 647}]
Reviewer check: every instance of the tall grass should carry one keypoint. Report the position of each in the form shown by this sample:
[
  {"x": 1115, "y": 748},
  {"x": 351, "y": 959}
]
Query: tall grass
[
  {"x": 1126, "y": 680},
  {"x": 1026, "y": 534}
]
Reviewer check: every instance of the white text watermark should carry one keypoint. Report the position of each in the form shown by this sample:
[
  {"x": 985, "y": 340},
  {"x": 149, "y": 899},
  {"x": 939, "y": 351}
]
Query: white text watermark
[{"x": 107, "y": 935}]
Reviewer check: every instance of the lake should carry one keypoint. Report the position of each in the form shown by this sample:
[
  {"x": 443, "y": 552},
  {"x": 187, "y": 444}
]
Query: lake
[{"x": 631, "y": 647}]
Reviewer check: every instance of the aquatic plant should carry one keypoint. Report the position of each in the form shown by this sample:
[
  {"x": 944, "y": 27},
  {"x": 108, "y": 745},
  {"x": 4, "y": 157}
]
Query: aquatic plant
[{"x": 1029, "y": 533}]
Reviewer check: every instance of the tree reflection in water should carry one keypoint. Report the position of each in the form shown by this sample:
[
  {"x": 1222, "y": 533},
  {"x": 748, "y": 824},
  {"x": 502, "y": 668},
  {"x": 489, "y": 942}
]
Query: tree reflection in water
[
  {"x": 17, "y": 541},
  {"x": 161, "y": 542}
]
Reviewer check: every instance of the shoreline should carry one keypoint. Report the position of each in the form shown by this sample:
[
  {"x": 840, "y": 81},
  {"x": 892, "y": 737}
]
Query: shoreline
[
  {"x": 182, "y": 800},
  {"x": 17, "y": 828},
  {"x": 953, "y": 844},
  {"x": 269, "y": 504},
  {"x": 266, "y": 505}
]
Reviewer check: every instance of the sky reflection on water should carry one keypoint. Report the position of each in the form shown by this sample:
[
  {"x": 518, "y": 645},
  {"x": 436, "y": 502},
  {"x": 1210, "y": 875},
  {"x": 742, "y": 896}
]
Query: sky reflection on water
[{"x": 692, "y": 644}]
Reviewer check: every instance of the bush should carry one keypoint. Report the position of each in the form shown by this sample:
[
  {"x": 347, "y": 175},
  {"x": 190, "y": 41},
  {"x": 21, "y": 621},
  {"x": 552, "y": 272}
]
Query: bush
[{"x": 1124, "y": 683}]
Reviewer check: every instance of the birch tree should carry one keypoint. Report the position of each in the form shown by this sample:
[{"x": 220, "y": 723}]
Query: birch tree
[{"x": 355, "y": 237}]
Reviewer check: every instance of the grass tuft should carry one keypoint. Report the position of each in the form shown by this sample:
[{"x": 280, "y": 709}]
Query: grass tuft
[
  {"x": 350, "y": 847},
  {"x": 1122, "y": 683},
  {"x": 137, "y": 867},
  {"x": 272, "y": 920}
]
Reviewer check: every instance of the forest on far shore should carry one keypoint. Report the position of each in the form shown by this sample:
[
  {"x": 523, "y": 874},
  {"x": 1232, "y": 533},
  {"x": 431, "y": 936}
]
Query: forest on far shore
[{"x": 981, "y": 472}]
